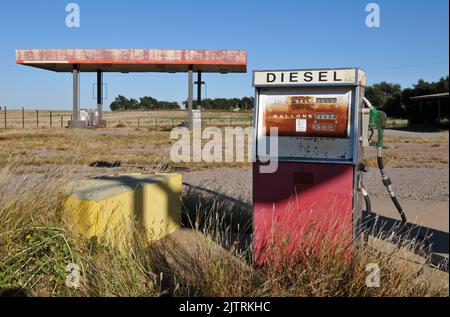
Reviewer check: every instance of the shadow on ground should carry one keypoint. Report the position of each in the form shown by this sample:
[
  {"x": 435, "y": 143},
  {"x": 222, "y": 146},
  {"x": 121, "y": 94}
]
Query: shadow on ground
[
  {"x": 219, "y": 215},
  {"x": 13, "y": 292},
  {"x": 431, "y": 242}
]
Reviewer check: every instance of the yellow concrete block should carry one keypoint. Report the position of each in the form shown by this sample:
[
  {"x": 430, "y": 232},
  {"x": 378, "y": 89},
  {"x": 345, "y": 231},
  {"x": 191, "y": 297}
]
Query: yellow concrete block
[{"x": 110, "y": 207}]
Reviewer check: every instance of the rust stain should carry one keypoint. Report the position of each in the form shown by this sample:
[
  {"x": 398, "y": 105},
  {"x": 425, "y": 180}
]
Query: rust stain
[{"x": 134, "y": 56}]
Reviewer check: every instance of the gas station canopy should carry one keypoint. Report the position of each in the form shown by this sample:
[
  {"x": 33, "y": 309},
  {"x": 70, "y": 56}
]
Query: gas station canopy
[
  {"x": 135, "y": 60},
  {"x": 76, "y": 61}
]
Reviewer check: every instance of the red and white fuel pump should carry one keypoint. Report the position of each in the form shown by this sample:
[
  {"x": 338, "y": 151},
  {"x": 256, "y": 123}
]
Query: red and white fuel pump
[
  {"x": 322, "y": 126},
  {"x": 311, "y": 128}
]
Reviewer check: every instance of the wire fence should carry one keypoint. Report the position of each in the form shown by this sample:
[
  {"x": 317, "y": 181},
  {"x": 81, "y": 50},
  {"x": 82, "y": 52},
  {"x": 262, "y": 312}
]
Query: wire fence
[
  {"x": 159, "y": 120},
  {"x": 397, "y": 123}
]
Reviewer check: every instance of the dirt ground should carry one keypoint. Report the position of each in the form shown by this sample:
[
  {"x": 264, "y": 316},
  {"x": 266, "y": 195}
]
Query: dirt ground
[{"x": 416, "y": 162}]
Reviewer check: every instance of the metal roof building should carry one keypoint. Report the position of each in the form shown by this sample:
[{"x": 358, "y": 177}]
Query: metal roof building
[{"x": 431, "y": 108}]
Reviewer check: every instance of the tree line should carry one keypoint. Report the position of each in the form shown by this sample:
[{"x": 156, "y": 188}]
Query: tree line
[
  {"x": 389, "y": 97},
  {"x": 245, "y": 103},
  {"x": 144, "y": 103},
  {"x": 150, "y": 103},
  {"x": 396, "y": 102}
]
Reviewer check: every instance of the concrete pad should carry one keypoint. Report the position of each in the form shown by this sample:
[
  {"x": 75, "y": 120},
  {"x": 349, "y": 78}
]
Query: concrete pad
[
  {"x": 437, "y": 279},
  {"x": 77, "y": 124},
  {"x": 430, "y": 219},
  {"x": 102, "y": 124},
  {"x": 432, "y": 214}
]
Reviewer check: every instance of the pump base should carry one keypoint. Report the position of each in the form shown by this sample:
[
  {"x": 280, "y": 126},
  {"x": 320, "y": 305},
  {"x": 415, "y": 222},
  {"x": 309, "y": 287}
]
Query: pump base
[
  {"x": 77, "y": 124},
  {"x": 300, "y": 206}
]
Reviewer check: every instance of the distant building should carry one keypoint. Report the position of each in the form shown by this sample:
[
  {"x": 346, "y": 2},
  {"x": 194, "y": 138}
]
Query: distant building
[{"x": 430, "y": 109}]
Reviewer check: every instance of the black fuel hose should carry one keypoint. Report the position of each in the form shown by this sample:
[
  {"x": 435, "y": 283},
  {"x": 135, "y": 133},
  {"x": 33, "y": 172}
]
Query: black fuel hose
[
  {"x": 368, "y": 214},
  {"x": 388, "y": 184},
  {"x": 367, "y": 201}
]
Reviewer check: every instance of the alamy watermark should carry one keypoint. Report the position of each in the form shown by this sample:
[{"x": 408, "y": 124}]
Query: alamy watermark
[
  {"x": 373, "y": 18},
  {"x": 73, "y": 276},
  {"x": 228, "y": 146},
  {"x": 373, "y": 279},
  {"x": 73, "y": 18}
]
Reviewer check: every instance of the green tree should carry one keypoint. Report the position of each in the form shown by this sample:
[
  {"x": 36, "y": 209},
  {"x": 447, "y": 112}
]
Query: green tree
[
  {"x": 167, "y": 105},
  {"x": 132, "y": 105},
  {"x": 386, "y": 96},
  {"x": 147, "y": 103},
  {"x": 119, "y": 103},
  {"x": 144, "y": 103},
  {"x": 247, "y": 103}
]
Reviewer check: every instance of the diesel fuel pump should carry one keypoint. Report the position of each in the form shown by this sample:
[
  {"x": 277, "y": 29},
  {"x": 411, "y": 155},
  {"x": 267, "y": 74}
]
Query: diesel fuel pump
[{"x": 324, "y": 123}]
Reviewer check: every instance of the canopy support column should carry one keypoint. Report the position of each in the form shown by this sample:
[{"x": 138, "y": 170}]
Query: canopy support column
[
  {"x": 101, "y": 122},
  {"x": 190, "y": 97},
  {"x": 76, "y": 122},
  {"x": 199, "y": 89}
]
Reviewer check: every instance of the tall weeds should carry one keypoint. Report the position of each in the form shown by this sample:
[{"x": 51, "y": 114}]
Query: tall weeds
[{"x": 210, "y": 256}]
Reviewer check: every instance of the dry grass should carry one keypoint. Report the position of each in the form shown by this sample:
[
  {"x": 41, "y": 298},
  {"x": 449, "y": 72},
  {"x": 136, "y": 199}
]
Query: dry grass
[
  {"x": 434, "y": 142},
  {"x": 60, "y": 147},
  {"x": 36, "y": 246},
  {"x": 143, "y": 119},
  {"x": 402, "y": 151},
  {"x": 388, "y": 156},
  {"x": 134, "y": 148}
]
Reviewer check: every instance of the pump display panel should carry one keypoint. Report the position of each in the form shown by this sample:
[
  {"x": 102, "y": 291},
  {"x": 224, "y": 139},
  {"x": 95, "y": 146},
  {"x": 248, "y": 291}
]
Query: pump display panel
[
  {"x": 311, "y": 122},
  {"x": 308, "y": 115}
]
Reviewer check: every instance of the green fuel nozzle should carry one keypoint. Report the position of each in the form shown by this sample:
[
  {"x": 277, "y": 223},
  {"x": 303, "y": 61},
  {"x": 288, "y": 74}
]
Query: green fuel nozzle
[{"x": 378, "y": 120}]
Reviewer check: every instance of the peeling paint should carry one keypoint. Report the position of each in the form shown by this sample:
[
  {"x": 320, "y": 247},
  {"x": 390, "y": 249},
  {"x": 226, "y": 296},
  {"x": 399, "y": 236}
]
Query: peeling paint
[{"x": 135, "y": 59}]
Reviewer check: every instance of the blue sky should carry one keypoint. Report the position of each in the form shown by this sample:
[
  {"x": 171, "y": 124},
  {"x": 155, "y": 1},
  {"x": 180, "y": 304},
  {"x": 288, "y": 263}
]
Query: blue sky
[{"x": 411, "y": 43}]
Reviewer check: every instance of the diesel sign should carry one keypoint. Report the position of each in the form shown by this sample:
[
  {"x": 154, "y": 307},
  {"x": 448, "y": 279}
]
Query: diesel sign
[{"x": 306, "y": 77}]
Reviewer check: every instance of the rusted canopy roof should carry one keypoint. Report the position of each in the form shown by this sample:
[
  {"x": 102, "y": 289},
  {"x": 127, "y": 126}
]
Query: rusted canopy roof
[{"x": 135, "y": 60}]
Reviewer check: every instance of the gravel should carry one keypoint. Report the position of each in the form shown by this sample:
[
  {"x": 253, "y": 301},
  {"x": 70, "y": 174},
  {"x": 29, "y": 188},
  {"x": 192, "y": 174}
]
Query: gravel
[
  {"x": 426, "y": 135},
  {"x": 409, "y": 183},
  {"x": 233, "y": 182}
]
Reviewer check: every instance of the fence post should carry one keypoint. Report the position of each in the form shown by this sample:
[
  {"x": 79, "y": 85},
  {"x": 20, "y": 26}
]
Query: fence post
[
  {"x": 51, "y": 120},
  {"x": 62, "y": 120},
  {"x": 37, "y": 118},
  {"x": 139, "y": 123},
  {"x": 23, "y": 117},
  {"x": 156, "y": 123},
  {"x": 5, "y": 117}
]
